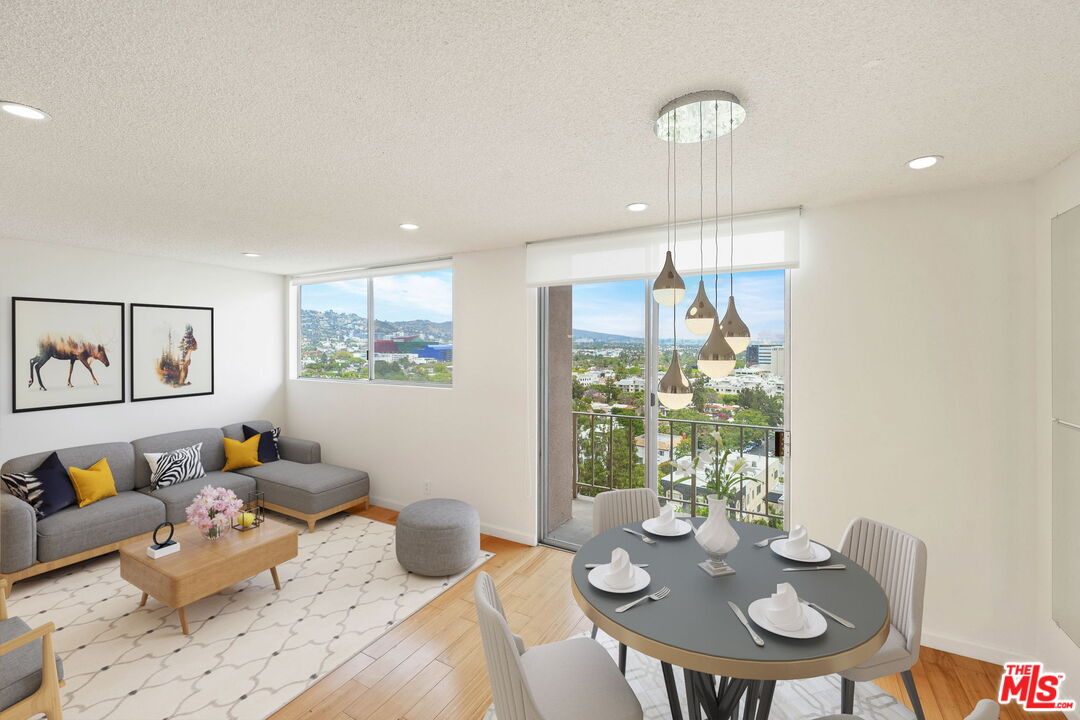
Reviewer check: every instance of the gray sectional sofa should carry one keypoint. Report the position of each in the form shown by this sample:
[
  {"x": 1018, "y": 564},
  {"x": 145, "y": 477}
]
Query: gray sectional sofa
[{"x": 298, "y": 485}]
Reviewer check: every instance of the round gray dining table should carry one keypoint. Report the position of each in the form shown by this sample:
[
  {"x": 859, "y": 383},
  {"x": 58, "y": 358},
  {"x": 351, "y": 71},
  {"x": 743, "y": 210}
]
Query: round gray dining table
[{"x": 694, "y": 628}]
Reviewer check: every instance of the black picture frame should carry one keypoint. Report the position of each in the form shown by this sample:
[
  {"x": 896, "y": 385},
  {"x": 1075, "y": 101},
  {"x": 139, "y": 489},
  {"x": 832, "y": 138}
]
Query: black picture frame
[
  {"x": 20, "y": 341},
  {"x": 139, "y": 356}
]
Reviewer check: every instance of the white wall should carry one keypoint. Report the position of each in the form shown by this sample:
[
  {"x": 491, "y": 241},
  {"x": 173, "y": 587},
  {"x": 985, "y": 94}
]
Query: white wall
[
  {"x": 249, "y": 337},
  {"x": 912, "y": 365},
  {"x": 1056, "y": 192},
  {"x": 474, "y": 441}
]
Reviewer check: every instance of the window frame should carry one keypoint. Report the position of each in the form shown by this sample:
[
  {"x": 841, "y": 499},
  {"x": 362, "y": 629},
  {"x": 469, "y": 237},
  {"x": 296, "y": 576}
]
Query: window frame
[{"x": 369, "y": 276}]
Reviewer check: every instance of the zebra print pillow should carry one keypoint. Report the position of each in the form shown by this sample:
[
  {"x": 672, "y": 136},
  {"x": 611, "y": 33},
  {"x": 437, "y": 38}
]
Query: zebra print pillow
[
  {"x": 26, "y": 487},
  {"x": 178, "y": 466}
]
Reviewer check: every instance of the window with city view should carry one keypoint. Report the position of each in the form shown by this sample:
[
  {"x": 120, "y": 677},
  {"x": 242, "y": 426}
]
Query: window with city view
[
  {"x": 724, "y": 442},
  {"x": 411, "y": 339}
]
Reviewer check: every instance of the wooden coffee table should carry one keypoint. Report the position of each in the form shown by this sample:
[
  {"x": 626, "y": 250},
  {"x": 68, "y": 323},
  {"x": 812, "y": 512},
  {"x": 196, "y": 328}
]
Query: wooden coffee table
[{"x": 203, "y": 567}]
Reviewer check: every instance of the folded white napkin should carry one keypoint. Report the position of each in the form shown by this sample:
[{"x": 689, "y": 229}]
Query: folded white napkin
[
  {"x": 666, "y": 520},
  {"x": 784, "y": 609},
  {"x": 620, "y": 573},
  {"x": 798, "y": 542}
]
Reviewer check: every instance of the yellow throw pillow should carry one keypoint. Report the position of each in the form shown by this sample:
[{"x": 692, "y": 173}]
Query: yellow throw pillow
[
  {"x": 241, "y": 454},
  {"x": 94, "y": 483}
]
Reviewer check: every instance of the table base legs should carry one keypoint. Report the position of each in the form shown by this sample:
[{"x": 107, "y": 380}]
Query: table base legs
[
  {"x": 719, "y": 698},
  {"x": 277, "y": 584},
  {"x": 672, "y": 691}
]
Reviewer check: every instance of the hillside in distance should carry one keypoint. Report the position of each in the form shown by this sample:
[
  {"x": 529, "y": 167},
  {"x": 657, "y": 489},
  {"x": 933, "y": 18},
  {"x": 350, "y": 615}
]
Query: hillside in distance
[
  {"x": 319, "y": 324},
  {"x": 591, "y": 336}
]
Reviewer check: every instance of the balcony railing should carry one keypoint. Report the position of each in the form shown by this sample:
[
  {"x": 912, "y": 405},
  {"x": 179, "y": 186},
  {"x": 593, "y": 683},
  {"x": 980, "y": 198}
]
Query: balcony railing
[{"x": 610, "y": 454}]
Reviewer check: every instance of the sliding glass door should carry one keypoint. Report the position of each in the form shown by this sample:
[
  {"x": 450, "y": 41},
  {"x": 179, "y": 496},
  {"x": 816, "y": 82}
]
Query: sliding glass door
[{"x": 603, "y": 347}]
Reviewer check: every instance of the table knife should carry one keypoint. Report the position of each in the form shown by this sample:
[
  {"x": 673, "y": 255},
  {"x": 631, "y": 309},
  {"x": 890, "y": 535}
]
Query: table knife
[
  {"x": 746, "y": 624},
  {"x": 834, "y": 616},
  {"x": 815, "y": 567}
]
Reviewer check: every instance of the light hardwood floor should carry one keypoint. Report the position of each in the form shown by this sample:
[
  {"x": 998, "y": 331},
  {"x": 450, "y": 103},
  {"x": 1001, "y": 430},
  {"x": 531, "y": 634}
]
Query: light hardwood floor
[{"x": 431, "y": 667}]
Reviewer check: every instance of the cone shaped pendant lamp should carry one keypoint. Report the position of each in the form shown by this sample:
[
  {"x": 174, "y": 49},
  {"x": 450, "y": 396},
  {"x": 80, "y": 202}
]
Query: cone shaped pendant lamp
[
  {"x": 674, "y": 389},
  {"x": 669, "y": 288},
  {"x": 701, "y": 314},
  {"x": 716, "y": 358},
  {"x": 734, "y": 329}
]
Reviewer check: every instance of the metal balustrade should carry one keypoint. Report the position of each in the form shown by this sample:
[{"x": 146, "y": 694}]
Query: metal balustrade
[{"x": 617, "y": 436}]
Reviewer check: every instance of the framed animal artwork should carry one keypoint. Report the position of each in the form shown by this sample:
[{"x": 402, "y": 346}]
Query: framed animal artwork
[
  {"x": 172, "y": 351},
  {"x": 66, "y": 353}
]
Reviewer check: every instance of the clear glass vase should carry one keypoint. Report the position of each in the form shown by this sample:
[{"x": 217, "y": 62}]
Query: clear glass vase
[{"x": 217, "y": 531}]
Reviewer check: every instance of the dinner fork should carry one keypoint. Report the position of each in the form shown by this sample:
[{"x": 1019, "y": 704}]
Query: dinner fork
[
  {"x": 644, "y": 537},
  {"x": 766, "y": 541},
  {"x": 658, "y": 595}
]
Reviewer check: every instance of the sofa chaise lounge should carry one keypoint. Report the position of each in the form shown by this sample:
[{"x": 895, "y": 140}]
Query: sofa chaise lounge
[{"x": 298, "y": 485}]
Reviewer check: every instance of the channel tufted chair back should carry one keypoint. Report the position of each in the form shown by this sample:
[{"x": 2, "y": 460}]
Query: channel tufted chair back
[
  {"x": 898, "y": 562},
  {"x": 619, "y": 507},
  {"x": 509, "y": 689}
]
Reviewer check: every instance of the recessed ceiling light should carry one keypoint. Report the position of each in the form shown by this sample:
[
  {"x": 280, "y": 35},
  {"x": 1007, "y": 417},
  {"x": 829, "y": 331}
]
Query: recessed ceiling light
[
  {"x": 23, "y": 111},
  {"x": 251, "y": 254},
  {"x": 637, "y": 207},
  {"x": 921, "y": 163},
  {"x": 409, "y": 226}
]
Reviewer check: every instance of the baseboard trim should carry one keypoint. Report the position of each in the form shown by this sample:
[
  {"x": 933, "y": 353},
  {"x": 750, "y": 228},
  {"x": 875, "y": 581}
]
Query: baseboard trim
[
  {"x": 986, "y": 653},
  {"x": 486, "y": 528}
]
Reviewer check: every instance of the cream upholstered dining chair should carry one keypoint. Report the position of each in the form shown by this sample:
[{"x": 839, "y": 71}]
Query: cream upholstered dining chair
[
  {"x": 569, "y": 680},
  {"x": 897, "y": 561},
  {"x": 984, "y": 710},
  {"x": 620, "y": 507},
  {"x": 30, "y": 673},
  {"x": 613, "y": 508}
]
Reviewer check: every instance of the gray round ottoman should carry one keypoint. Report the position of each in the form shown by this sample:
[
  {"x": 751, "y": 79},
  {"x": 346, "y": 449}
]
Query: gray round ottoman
[{"x": 438, "y": 537}]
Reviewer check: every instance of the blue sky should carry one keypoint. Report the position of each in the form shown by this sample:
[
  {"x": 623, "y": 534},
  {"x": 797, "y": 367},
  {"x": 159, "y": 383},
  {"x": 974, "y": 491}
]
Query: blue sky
[
  {"x": 618, "y": 307},
  {"x": 414, "y": 296}
]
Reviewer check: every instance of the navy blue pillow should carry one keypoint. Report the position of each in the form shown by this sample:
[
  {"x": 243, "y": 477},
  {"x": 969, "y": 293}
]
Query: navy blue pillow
[
  {"x": 268, "y": 450},
  {"x": 57, "y": 490}
]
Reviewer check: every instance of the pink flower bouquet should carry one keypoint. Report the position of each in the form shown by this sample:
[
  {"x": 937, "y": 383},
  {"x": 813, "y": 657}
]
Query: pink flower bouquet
[{"x": 213, "y": 511}]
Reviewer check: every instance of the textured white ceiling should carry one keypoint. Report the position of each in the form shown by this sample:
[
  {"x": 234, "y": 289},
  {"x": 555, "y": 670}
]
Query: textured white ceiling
[{"x": 307, "y": 131}]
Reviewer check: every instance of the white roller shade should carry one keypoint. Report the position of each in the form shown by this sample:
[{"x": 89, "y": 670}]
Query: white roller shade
[
  {"x": 763, "y": 241},
  {"x": 355, "y": 273}
]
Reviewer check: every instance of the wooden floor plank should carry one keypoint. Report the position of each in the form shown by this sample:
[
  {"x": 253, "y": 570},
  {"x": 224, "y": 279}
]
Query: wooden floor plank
[{"x": 431, "y": 666}]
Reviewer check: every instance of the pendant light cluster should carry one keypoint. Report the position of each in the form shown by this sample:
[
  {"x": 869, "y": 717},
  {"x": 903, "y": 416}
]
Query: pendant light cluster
[{"x": 699, "y": 117}]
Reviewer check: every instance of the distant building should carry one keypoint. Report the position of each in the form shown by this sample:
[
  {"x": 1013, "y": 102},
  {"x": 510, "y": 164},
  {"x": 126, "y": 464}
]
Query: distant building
[
  {"x": 632, "y": 384},
  {"x": 761, "y": 354},
  {"x": 778, "y": 364},
  {"x": 441, "y": 353}
]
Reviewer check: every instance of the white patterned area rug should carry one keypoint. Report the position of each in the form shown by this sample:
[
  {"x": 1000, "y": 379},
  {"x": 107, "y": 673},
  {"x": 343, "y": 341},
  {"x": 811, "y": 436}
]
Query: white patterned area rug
[
  {"x": 252, "y": 648},
  {"x": 794, "y": 699}
]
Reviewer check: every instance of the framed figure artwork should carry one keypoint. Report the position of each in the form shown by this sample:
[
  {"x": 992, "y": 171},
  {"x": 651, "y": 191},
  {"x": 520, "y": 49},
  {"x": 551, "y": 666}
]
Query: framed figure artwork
[
  {"x": 172, "y": 351},
  {"x": 66, "y": 353}
]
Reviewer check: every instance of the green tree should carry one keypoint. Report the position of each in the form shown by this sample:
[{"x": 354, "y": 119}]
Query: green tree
[
  {"x": 577, "y": 390},
  {"x": 611, "y": 390},
  {"x": 771, "y": 406}
]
